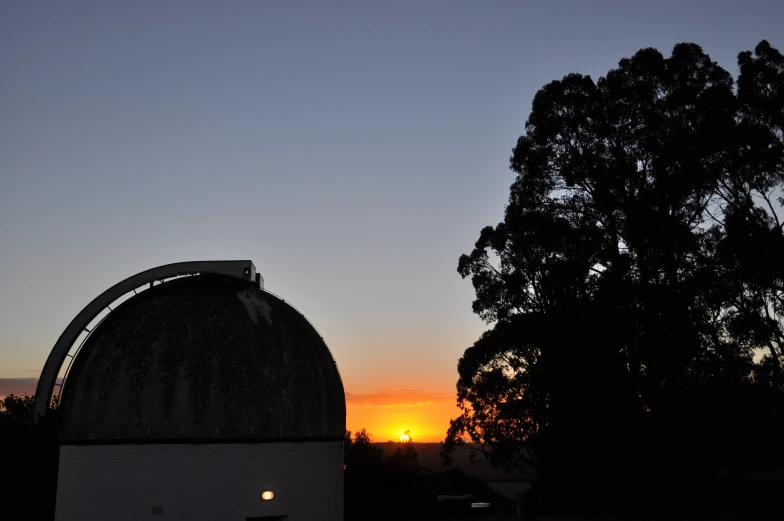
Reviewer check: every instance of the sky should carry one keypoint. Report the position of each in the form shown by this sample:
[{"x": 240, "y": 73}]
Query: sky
[{"x": 352, "y": 150}]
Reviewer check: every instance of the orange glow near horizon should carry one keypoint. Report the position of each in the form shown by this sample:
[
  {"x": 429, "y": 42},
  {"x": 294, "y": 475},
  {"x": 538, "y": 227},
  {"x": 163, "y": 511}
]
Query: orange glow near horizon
[
  {"x": 388, "y": 414},
  {"x": 385, "y": 414}
]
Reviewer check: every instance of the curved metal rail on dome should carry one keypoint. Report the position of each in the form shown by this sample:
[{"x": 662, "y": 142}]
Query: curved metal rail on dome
[{"x": 243, "y": 269}]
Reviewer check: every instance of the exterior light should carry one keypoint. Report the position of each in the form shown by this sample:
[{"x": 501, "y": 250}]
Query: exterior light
[{"x": 267, "y": 495}]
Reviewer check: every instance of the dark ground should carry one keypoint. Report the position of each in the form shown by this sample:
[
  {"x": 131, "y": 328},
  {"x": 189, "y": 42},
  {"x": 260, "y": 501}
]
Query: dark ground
[{"x": 427, "y": 455}]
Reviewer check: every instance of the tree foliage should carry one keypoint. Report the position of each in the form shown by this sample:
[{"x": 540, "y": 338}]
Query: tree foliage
[
  {"x": 635, "y": 287},
  {"x": 30, "y": 455},
  {"x": 16, "y": 410}
]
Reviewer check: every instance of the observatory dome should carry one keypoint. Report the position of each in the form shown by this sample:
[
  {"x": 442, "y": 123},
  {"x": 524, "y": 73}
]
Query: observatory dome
[{"x": 203, "y": 357}]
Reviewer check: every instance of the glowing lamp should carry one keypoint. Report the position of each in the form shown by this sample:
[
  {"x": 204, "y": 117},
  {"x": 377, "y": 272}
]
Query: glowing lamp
[{"x": 267, "y": 495}]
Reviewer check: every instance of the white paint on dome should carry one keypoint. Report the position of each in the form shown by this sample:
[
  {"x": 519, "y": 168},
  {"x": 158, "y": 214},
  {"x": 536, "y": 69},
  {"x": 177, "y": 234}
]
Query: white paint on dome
[{"x": 253, "y": 304}]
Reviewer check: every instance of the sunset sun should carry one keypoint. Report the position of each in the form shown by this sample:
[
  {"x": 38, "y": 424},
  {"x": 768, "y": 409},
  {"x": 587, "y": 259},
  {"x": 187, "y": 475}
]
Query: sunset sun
[{"x": 404, "y": 437}]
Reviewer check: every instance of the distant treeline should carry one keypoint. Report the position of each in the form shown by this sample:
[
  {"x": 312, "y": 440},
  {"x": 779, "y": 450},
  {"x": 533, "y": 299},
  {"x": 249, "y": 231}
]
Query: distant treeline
[
  {"x": 429, "y": 457},
  {"x": 390, "y": 483}
]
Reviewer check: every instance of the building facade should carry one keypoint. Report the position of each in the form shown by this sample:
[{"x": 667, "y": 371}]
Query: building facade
[{"x": 201, "y": 397}]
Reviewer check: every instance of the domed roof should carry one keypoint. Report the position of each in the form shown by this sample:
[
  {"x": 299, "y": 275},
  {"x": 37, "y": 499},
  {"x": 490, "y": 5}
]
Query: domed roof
[{"x": 203, "y": 357}]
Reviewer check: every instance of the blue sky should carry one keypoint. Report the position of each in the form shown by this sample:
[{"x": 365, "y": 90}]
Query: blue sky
[{"x": 352, "y": 150}]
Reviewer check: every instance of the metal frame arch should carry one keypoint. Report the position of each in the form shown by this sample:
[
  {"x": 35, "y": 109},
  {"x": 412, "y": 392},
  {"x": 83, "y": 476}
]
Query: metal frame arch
[{"x": 242, "y": 269}]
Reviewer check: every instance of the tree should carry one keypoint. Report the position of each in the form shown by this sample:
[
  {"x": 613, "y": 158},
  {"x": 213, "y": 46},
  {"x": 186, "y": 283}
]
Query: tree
[
  {"x": 31, "y": 455},
  {"x": 360, "y": 452},
  {"x": 753, "y": 247},
  {"x": 364, "y": 490},
  {"x": 405, "y": 455},
  {"x": 637, "y": 272},
  {"x": 16, "y": 410}
]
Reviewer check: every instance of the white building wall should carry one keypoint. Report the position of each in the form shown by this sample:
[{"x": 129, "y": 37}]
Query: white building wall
[{"x": 210, "y": 482}]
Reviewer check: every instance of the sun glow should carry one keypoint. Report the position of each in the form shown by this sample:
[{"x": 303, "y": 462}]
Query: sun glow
[{"x": 404, "y": 437}]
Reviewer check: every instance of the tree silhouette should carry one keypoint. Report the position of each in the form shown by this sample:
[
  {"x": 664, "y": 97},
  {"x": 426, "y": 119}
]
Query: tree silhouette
[
  {"x": 637, "y": 272},
  {"x": 16, "y": 410},
  {"x": 404, "y": 457},
  {"x": 379, "y": 486},
  {"x": 360, "y": 452},
  {"x": 30, "y": 455}
]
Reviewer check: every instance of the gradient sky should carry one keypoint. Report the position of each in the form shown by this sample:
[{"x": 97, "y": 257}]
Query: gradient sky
[{"x": 352, "y": 150}]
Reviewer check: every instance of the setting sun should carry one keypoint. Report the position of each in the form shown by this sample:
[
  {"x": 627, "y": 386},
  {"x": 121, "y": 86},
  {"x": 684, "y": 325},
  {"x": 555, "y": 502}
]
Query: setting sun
[{"x": 404, "y": 437}]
